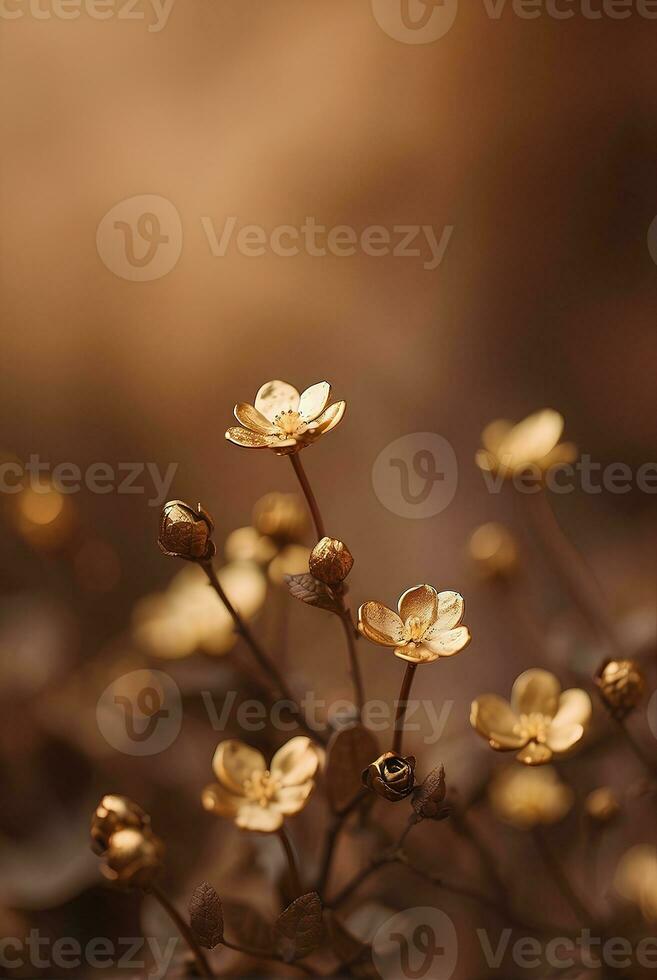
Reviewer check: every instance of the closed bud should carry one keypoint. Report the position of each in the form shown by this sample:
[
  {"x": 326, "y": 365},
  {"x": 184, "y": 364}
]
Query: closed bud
[
  {"x": 115, "y": 813},
  {"x": 186, "y": 532},
  {"x": 621, "y": 685},
  {"x": 330, "y": 561},
  {"x": 391, "y": 776},
  {"x": 602, "y": 805},
  {"x": 134, "y": 858}
]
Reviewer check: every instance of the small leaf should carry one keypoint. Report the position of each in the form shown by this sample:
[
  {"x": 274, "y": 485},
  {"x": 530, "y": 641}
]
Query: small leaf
[
  {"x": 429, "y": 799},
  {"x": 350, "y": 751},
  {"x": 299, "y": 929},
  {"x": 206, "y": 916},
  {"x": 308, "y": 589},
  {"x": 249, "y": 927}
]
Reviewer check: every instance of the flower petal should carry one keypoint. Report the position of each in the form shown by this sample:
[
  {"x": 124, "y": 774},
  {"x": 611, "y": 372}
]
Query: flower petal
[
  {"x": 295, "y": 762},
  {"x": 276, "y": 396},
  {"x": 494, "y": 433},
  {"x": 536, "y": 690},
  {"x": 564, "y": 737},
  {"x": 418, "y": 654},
  {"x": 450, "y": 613},
  {"x": 380, "y": 624},
  {"x": 254, "y": 420},
  {"x": 314, "y": 400},
  {"x": 636, "y": 867},
  {"x": 252, "y": 816},
  {"x": 534, "y": 754},
  {"x": 494, "y": 718},
  {"x": 421, "y": 601},
  {"x": 447, "y": 643},
  {"x": 218, "y": 800},
  {"x": 246, "y": 438},
  {"x": 574, "y": 708},
  {"x": 327, "y": 420},
  {"x": 234, "y": 762},
  {"x": 292, "y": 799},
  {"x": 565, "y": 452},
  {"x": 532, "y": 439}
]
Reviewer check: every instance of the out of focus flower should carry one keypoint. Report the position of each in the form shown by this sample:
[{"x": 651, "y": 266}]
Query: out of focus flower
[
  {"x": 621, "y": 685},
  {"x": 330, "y": 561},
  {"x": 44, "y": 516},
  {"x": 284, "y": 420},
  {"x": 255, "y": 797},
  {"x": 602, "y": 805},
  {"x": 540, "y": 721},
  {"x": 274, "y": 540},
  {"x": 494, "y": 551},
  {"x": 186, "y": 532},
  {"x": 281, "y": 517},
  {"x": 292, "y": 560},
  {"x": 391, "y": 776},
  {"x": 188, "y": 618},
  {"x": 133, "y": 858},
  {"x": 526, "y": 798},
  {"x": 426, "y": 627},
  {"x": 533, "y": 443},
  {"x": 115, "y": 813},
  {"x": 636, "y": 879}
]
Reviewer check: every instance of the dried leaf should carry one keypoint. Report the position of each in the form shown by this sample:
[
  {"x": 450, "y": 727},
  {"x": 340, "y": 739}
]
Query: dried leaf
[
  {"x": 429, "y": 799},
  {"x": 298, "y": 930},
  {"x": 351, "y": 952},
  {"x": 308, "y": 589},
  {"x": 249, "y": 927},
  {"x": 350, "y": 751},
  {"x": 206, "y": 916}
]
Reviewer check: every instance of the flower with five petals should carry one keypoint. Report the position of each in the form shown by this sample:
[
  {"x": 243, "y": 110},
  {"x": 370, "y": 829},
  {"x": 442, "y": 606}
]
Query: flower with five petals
[
  {"x": 426, "y": 627},
  {"x": 257, "y": 797},
  {"x": 284, "y": 420},
  {"x": 539, "y": 723},
  {"x": 531, "y": 444}
]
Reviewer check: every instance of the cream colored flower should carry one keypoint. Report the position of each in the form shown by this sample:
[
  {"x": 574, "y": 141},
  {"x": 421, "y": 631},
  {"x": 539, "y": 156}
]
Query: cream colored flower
[
  {"x": 526, "y": 798},
  {"x": 284, "y": 420},
  {"x": 426, "y": 627},
  {"x": 540, "y": 721},
  {"x": 255, "y": 797},
  {"x": 533, "y": 443},
  {"x": 636, "y": 879}
]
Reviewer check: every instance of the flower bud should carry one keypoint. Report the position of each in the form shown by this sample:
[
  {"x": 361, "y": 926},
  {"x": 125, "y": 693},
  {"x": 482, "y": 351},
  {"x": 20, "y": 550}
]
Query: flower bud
[
  {"x": 281, "y": 517},
  {"x": 391, "y": 776},
  {"x": 134, "y": 858},
  {"x": 330, "y": 561},
  {"x": 185, "y": 532},
  {"x": 115, "y": 813},
  {"x": 621, "y": 685},
  {"x": 602, "y": 805}
]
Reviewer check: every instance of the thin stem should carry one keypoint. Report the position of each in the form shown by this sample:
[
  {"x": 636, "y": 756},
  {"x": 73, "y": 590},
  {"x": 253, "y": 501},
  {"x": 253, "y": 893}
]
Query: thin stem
[
  {"x": 295, "y": 881},
  {"x": 264, "y": 661},
  {"x": 354, "y": 666},
  {"x": 297, "y": 466},
  {"x": 561, "y": 878},
  {"x": 185, "y": 932},
  {"x": 402, "y": 705},
  {"x": 265, "y": 955},
  {"x": 357, "y": 881}
]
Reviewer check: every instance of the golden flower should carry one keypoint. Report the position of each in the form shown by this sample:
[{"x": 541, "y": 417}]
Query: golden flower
[
  {"x": 255, "y": 797},
  {"x": 284, "y": 420},
  {"x": 602, "y": 805},
  {"x": 526, "y": 798},
  {"x": 115, "y": 813},
  {"x": 134, "y": 858},
  {"x": 186, "y": 532},
  {"x": 330, "y": 561},
  {"x": 391, "y": 776},
  {"x": 636, "y": 879},
  {"x": 621, "y": 685},
  {"x": 281, "y": 517},
  {"x": 426, "y": 628},
  {"x": 494, "y": 551},
  {"x": 512, "y": 448},
  {"x": 540, "y": 721}
]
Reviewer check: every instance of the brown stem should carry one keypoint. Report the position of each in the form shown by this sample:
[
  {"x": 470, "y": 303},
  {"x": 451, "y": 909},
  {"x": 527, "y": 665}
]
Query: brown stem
[
  {"x": 185, "y": 932},
  {"x": 295, "y": 881},
  {"x": 297, "y": 466},
  {"x": 561, "y": 878},
  {"x": 354, "y": 666},
  {"x": 266, "y": 664},
  {"x": 402, "y": 705},
  {"x": 332, "y": 838},
  {"x": 263, "y": 954}
]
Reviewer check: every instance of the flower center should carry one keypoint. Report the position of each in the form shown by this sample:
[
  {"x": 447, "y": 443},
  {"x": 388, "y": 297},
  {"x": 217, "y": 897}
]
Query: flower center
[
  {"x": 261, "y": 788},
  {"x": 414, "y": 630},
  {"x": 290, "y": 423},
  {"x": 533, "y": 727}
]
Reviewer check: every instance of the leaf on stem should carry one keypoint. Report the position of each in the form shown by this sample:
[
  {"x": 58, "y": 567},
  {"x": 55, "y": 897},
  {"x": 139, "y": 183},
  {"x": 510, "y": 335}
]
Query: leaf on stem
[
  {"x": 206, "y": 916},
  {"x": 350, "y": 751},
  {"x": 306, "y": 588},
  {"x": 429, "y": 799},
  {"x": 299, "y": 930}
]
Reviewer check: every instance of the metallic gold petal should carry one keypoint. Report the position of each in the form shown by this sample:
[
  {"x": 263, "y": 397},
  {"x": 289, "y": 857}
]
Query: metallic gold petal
[
  {"x": 328, "y": 419},
  {"x": 276, "y": 396},
  {"x": 314, "y": 400},
  {"x": 246, "y": 438},
  {"x": 450, "y": 642},
  {"x": 218, "y": 800},
  {"x": 575, "y": 708},
  {"x": 532, "y": 439},
  {"x": 292, "y": 799},
  {"x": 254, "y": 420},
  {"x": 419, "y": 654},
  {"x": 494, "y": 433},
  {"x": 380, "y": 624},
  {"x": 234, "y": 762},
  {"x": 534, "y": 754},
  {"x": 494, "y": 718},
  {"x": 295, "y": 762},
  {"x": 252, "y": 816},
  {"x": 450, "y": 613},
  {"x": 564, "y": 737},
  {"x": 421, "y": 601},
  {"x": 536, "y": 691}
]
